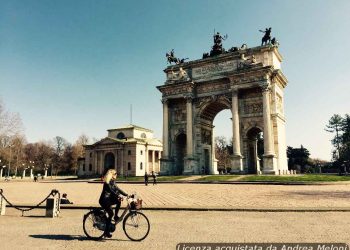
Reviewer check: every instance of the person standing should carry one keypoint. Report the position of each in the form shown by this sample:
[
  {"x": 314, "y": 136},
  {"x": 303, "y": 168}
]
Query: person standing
[
  {"x": 146, "y": 179},
  {"x": 154, "y": 178}
]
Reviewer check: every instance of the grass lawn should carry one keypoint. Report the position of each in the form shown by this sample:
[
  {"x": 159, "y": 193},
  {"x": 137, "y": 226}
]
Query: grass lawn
[
  {"x": 131, "y": 178},
  {"x": 306, "y": 177},
  {"x": 217, "y": 178},
  {"x": 170, "y": 178}
]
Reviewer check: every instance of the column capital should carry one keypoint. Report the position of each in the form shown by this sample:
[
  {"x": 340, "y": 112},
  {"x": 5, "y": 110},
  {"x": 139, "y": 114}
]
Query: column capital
[
  {"x": 265, "y": 86},
  {"x": 188, "y": 98},
  {"x": 165, "y": 100}
]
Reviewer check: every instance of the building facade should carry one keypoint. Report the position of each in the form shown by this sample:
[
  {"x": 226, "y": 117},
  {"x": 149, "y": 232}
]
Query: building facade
[{"x": 131, "y": 150}]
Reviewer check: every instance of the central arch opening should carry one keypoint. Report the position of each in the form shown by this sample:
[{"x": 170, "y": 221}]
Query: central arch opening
[
  {"x": 216, "y": 132},
  {"x": 222, "y": 129}
]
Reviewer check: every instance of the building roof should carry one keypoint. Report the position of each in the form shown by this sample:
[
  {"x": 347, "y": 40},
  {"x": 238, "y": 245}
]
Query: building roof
[
  {"x": 131, "y": 126},
  {"x": 150, "y": 141}
]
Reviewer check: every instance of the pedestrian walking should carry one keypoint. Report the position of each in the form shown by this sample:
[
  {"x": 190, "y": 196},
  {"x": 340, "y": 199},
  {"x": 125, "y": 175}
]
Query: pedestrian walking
[
  {"x": 146, "y": 179},
  {"x": 154, "y": 175}
]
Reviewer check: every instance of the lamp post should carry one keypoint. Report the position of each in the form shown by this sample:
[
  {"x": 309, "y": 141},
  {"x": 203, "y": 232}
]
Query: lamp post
[
  {"x": 8, "y": 169},
  {"x": 46, "y": 168},
  {"x": 31, "y": 166},
  {"x": 1, "y": 169}
]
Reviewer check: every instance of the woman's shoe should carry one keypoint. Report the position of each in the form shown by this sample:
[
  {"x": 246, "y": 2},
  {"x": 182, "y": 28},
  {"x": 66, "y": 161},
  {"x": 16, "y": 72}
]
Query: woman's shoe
[{"x": 107, "y": 235}]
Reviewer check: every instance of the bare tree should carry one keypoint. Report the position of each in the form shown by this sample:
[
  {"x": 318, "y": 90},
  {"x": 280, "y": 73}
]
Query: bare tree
[
  {"x": 10, "y": 124},
  {"x": 59, "y": 144}
]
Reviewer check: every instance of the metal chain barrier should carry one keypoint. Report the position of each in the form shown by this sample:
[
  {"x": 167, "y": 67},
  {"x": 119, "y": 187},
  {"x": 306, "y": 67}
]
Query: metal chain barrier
[{"x": 53, "y": 193}]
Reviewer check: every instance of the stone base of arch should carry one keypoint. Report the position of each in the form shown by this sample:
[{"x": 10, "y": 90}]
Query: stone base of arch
[
  {"x": 270, "y": 164},
  {"x": 237, "y": 164},
  {"x": 191, "y": 166},
  {"x": 166, "y": 166}
]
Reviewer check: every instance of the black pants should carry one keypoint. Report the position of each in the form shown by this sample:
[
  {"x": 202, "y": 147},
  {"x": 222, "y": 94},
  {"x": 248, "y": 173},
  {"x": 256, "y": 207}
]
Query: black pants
[{"x": 107, "y": 205}]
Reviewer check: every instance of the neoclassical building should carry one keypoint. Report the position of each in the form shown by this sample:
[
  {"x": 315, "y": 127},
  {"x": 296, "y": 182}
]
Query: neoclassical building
[
  {"x": 247, "y": 81},
  {"x": 131, "y": 150}
]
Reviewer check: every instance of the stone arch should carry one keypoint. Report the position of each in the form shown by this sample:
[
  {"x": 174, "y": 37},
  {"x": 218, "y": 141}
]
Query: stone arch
[
  {"x": 109, "y": 161},
  {"x": 212, "y": 106}
]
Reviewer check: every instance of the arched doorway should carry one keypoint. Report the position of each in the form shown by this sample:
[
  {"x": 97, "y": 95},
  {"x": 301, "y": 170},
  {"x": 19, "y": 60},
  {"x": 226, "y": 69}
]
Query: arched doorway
[
  {"x": 213, "y": 159},
  {"x": 255, "y": 151},
  {"x": 109, "y": 162},
  {"x": 180, "y": 153}
]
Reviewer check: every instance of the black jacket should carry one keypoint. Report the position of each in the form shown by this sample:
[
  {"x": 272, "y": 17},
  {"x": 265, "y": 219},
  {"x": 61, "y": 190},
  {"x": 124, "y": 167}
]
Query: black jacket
[{"x": 111, "y": 192}]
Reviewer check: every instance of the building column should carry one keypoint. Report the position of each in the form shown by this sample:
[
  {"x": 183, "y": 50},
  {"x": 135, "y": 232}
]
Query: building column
[
  {"x": 153, "y": 160},
  {"x": 191, "y": 165},
  {"x": 122, "y": 162},
  {"x": 237, "y": 164},
  {"x": 189, "y": 128},
  {"x": 101, "y": 162},
  {"x": 269, "y": 153},
  {"x": 165, "y": 129},
  {"x": 146, "y": 161}
]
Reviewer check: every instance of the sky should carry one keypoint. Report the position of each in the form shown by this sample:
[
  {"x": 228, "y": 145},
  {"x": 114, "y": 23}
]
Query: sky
[{"x": 72, "y": 67}]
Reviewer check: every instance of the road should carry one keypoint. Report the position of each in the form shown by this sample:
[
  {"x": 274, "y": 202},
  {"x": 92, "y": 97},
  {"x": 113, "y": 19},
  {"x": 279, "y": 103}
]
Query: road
[{"x": 169, "y": 228}]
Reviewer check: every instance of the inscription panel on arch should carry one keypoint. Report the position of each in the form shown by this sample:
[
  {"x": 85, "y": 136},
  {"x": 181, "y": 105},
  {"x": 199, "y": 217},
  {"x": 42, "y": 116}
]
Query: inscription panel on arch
[{"x": 213, "y": 69}]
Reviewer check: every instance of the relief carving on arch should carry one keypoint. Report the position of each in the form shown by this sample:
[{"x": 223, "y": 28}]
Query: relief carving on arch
[{"x": 206, "y": 137}]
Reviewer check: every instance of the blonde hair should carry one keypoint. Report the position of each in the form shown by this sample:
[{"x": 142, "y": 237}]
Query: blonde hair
[{"x": 108, "y": 176}]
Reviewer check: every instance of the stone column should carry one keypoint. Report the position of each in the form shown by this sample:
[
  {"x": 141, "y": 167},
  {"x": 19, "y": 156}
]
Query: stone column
[
  {"x": 269, "y": 154},
  {"x": 153, "y": 160},
  {"x": 237, "y": 165},
  {"x": 1, "y": 170},
  {"x": 214, "y": 168},
  {"x": 189, "y": 127},
  {"x": 122, "y": 162},
  {"x": 146, "y": 163},
  {"x": 165, "y": 129},
  {"x": 101, "y": 162},
  {"x": 95, "y": 159},
  {"x": 190, "y": 163}
]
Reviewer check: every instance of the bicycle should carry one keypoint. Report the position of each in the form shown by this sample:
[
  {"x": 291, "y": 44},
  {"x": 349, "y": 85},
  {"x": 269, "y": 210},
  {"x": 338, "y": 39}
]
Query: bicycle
[{"x": 136, "y": 225}]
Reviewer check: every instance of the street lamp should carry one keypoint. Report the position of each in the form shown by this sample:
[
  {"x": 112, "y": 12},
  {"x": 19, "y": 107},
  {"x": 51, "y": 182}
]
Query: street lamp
[
  {"x": 31, "y": 166},
  {"x": 8, "y": 170},
  {"x": 1, "y": 169},
  {"x": 46, "y": 168}
]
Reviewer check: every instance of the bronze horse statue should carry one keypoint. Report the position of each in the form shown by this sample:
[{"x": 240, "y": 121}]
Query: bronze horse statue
[
  {"x": 172, "y": 59},
  {"x": 267, "y": 37}
]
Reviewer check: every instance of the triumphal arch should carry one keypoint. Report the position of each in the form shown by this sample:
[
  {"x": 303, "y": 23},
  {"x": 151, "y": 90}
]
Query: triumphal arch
[{"x": 247, "y": 81}]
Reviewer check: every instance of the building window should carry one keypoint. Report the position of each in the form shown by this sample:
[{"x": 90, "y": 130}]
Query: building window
[
  {"x": 90, "y": 167},
  {"x": 129, "y": 152},
  {"x": 129, "y": 166},
  {"x": 90, "y": 155},
  {"x": 83, "y": 167},
  {"x": 141, "y": 152},
  {"x": 141, "y": 166},
  {"x": 120, "y": 136}
]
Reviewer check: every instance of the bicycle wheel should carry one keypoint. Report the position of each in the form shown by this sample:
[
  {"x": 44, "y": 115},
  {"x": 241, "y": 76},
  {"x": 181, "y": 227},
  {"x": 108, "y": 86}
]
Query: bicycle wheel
[
  {"x": 94, "y": 224},
  {"x": 136, "y": 226}
]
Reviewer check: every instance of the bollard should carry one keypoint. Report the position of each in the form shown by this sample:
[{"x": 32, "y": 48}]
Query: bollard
[
  {"x": 52, "y": 207},
  {"x": 2, "y": 205}
]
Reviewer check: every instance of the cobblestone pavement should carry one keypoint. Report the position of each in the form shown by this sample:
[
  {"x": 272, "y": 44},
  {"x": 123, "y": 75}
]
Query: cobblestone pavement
[
  {"x": 191, "y": 195},
  {"x": 169, "y": 228}
]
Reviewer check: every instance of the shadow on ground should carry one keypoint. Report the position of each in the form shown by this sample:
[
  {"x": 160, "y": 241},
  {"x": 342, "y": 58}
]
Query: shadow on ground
[
  {"x": 59, "y": 237},
  {"x": 66, "y": 237}
]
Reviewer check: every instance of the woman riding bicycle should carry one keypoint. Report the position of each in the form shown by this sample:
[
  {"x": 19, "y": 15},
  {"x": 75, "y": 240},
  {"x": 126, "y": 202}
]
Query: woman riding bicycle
[{"x": 110, "y": 196}]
